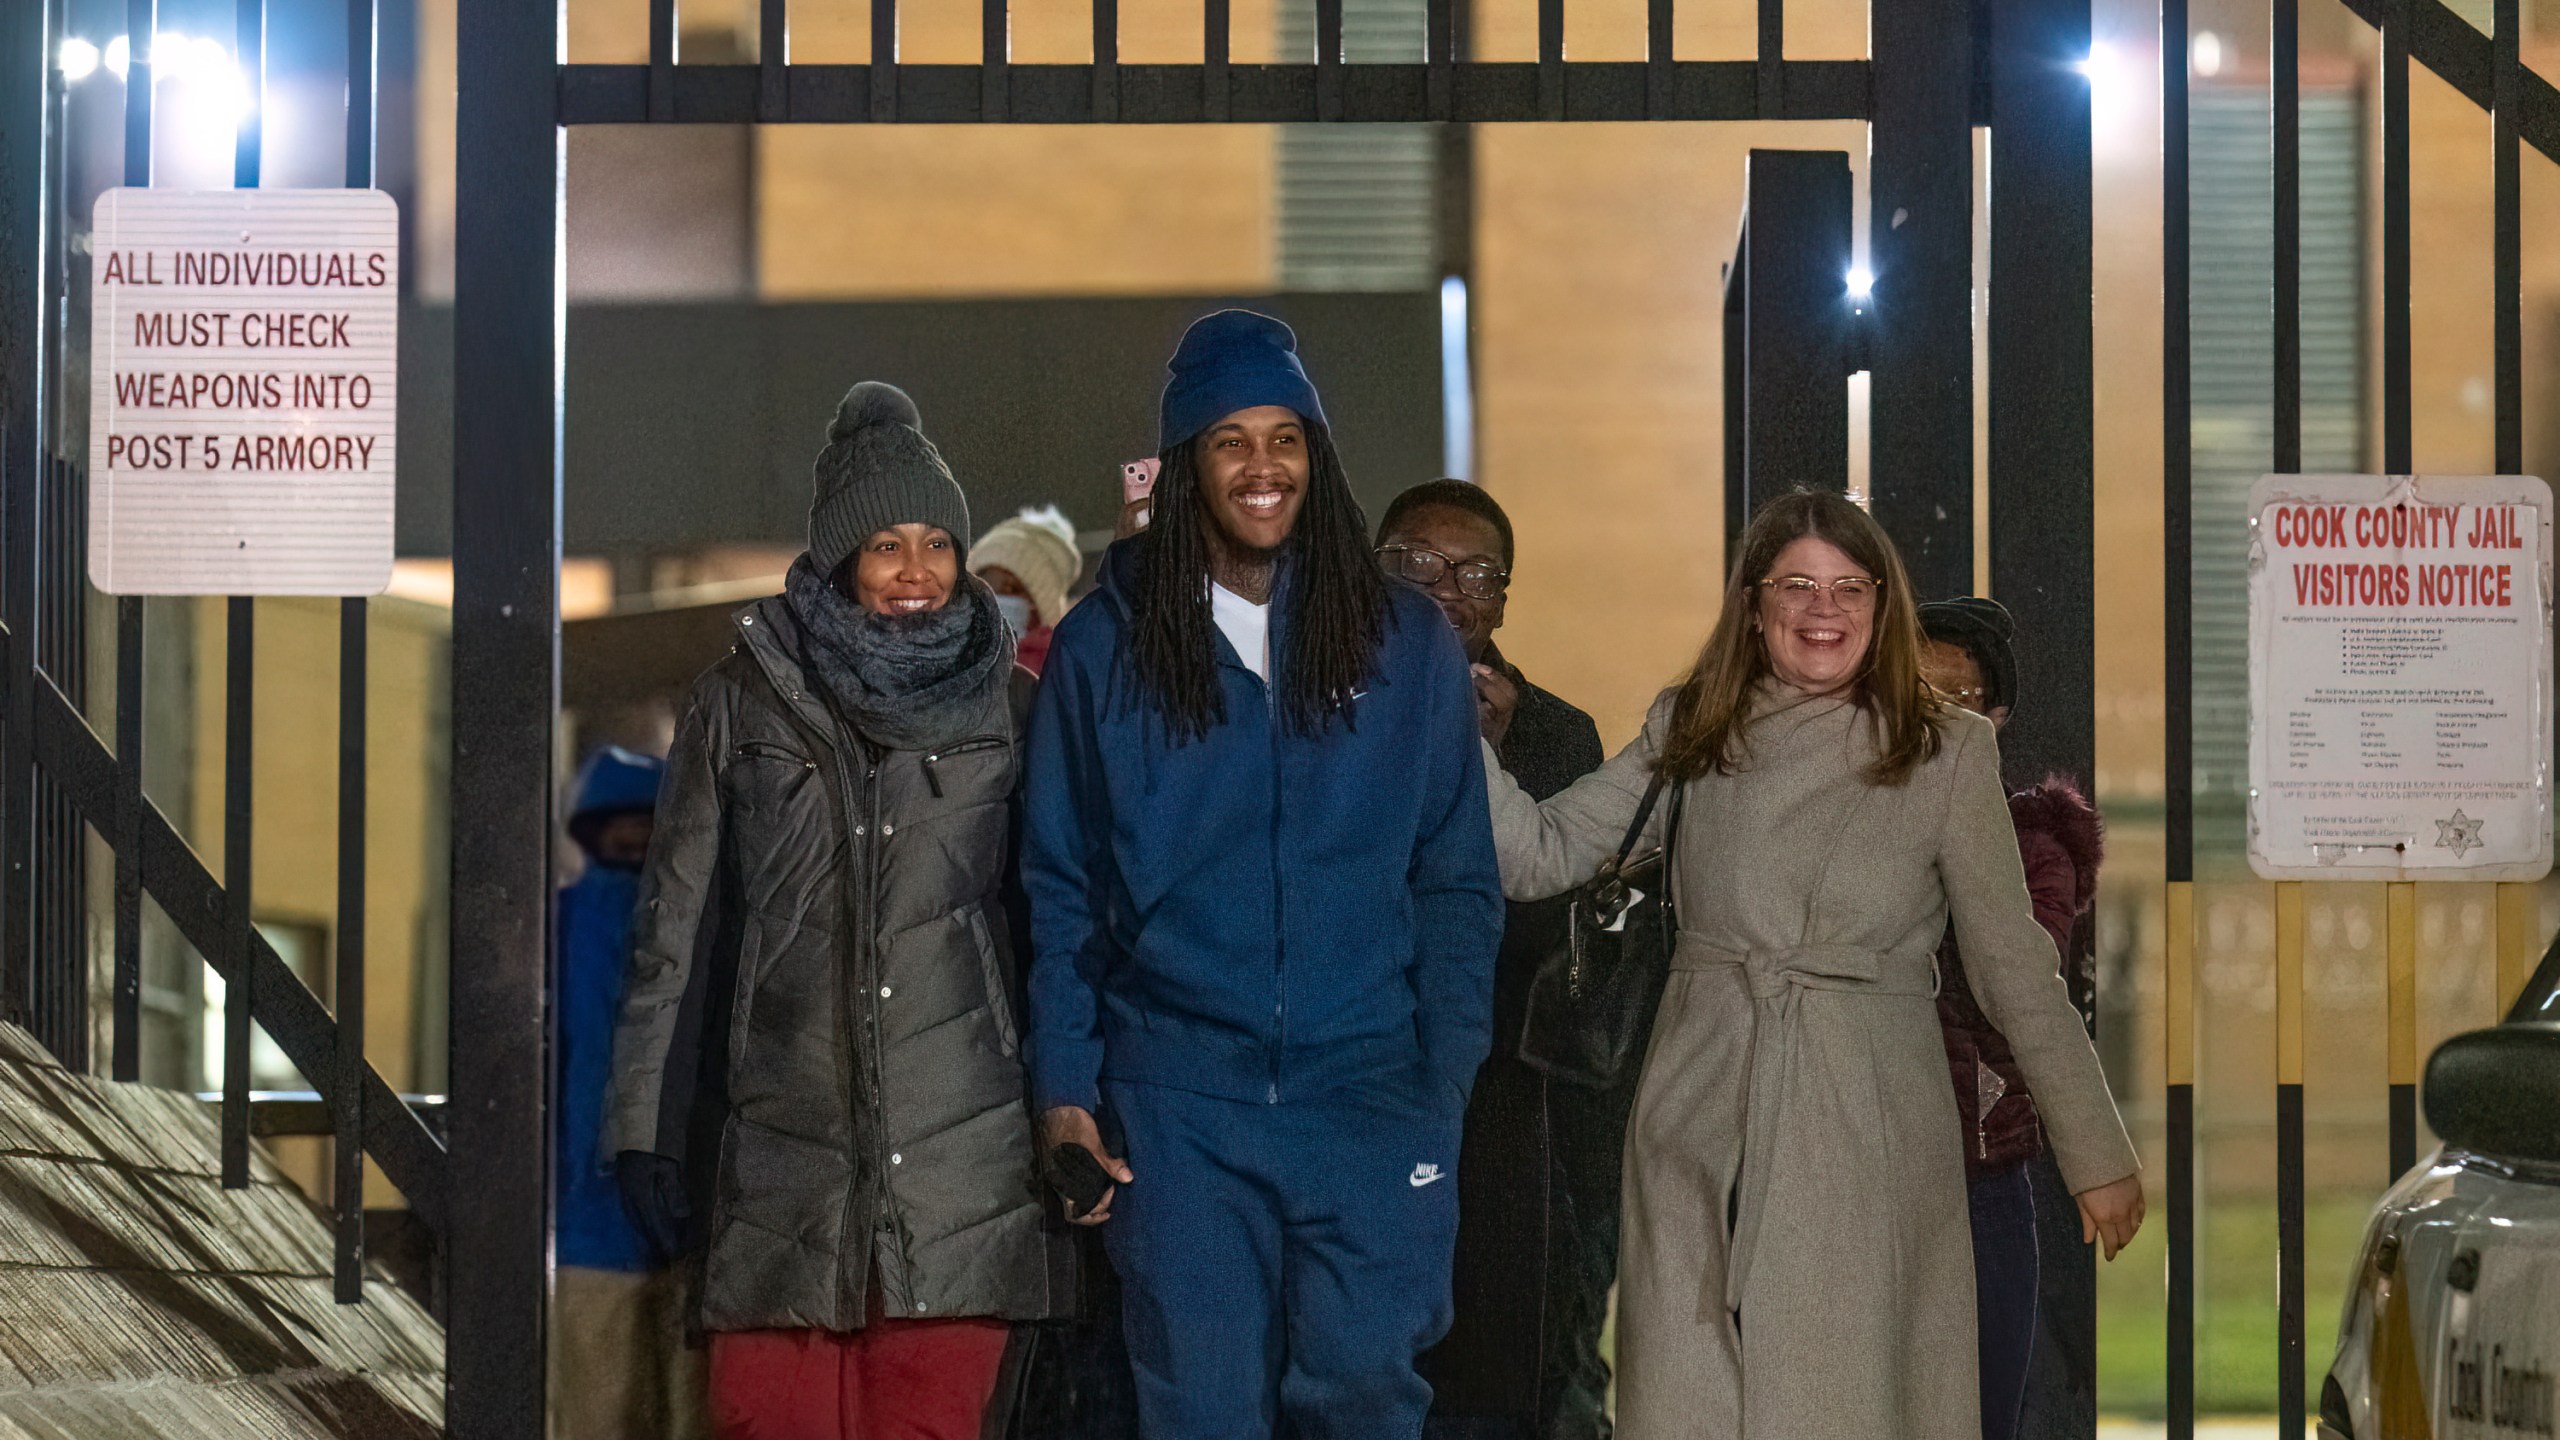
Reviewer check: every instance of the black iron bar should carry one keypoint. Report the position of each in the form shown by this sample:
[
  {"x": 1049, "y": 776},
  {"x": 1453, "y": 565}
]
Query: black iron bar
[
  {"x": 1216, "y": 41},
  {"x": 2285, "y": 105},
  {"x": 507, "y": 318},
  {"x": 884, "y": 61},
  {"x": 346, "y": 1098},
  {"x": 127, "y": 1059},
  {"x": 995, "y": 50},
  {"x": 2395, "y": 242},
  {"x": 61, "y": 925},
  {"x": 361, "y": 62},
  {"x": 1920, "y": 247},
  {"x": 141, "y": 20},
  {"x": 2285, "y": 109},
  {"x": 1481, "y": 92},
  {"x": 1772, "y": 79},
  {"x": 2177, "y": 563},
  {"x": 2397, "y": 439},
  {"x": 72, "y": 753},
  {"x": 773, "y": 61},
  {"x": 2507, "y": 284},
  {"x": 239, "y": 683},
  {"x": 2042, "y": 383},
  {"x": 662, "y": 60},
  {"x": 1328, "y": 59},
  {"x": 1553, "y": 91},
  {"x": 23, "y": 208},
  {"x": 1440, "y": 55},
  {"x": 1661, "y": 70},
  {"x": 1106, "y": 60},
  {"x": 239, "y": 776}
]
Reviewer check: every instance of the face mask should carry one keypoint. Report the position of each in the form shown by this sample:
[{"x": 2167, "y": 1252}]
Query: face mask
[{"x": 1016, "y": 612}]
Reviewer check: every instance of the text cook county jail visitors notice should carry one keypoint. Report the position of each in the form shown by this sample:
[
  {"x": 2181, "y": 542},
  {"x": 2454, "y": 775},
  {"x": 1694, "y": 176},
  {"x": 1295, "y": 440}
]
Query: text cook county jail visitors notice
[
  {"x": 244, "y": 384},
  {"x": 2400, "y": 677}
]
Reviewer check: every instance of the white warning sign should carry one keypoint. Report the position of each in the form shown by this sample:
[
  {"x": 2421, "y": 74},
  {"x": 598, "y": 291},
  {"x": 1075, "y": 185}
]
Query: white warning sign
[
  {"x": 244, "y": 391},
  {"x": 2400, "y": 677}
]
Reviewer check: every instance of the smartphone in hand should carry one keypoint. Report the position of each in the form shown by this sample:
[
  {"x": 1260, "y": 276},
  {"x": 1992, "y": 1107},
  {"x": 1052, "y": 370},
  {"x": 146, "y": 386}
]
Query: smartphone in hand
[
  {"x": 1076, "y": 1175},
  {"x": 1137, "y": 485}
]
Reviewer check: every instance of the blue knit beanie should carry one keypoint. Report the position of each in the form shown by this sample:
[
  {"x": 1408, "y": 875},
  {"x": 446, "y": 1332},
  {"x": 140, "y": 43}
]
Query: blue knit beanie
[{"x": 1230, "y": 361}]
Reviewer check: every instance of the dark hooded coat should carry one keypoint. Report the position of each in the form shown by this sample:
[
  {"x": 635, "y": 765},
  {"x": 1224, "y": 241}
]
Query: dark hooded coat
[
  {"x": 822, "y": 1019},
  {"x": 2060, "y": 841}
]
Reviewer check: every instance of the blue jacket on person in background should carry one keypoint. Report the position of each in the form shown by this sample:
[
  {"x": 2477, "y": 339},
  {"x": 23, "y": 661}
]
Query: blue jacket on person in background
[
  {"x": 1257, "y": 915},
  {"x": 593, "y": 1230}
]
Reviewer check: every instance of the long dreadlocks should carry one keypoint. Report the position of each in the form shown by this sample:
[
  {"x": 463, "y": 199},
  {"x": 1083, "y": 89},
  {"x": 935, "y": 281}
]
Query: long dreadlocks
[{"x": 1336, "y": 598}]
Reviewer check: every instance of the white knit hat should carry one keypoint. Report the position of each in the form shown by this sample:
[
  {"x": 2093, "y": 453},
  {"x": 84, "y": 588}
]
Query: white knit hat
[{"x": 1039, "y": 547}]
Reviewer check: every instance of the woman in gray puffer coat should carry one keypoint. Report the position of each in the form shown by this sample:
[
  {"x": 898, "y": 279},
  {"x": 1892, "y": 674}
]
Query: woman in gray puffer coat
[{"x": 817, "y": 1075}]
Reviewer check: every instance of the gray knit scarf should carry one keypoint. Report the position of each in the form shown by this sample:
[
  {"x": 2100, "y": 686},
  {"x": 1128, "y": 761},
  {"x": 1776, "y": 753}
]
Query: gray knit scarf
[{"x": 908, "y": 682}]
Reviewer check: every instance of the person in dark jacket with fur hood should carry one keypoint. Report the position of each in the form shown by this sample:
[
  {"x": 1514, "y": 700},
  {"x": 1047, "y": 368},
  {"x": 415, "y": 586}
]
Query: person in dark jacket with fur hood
[
  {"x": 818, "y": 1080},
  {"x": 2061, "y": 841}
]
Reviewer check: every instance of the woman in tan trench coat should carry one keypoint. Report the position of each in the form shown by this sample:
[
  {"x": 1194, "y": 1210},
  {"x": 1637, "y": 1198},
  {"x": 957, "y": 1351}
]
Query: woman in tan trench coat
[{"x": 1796, "y": 1262}]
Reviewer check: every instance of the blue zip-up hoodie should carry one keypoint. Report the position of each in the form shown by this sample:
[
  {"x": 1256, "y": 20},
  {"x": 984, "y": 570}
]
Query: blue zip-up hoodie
[{"x": 1259, "y": 915}]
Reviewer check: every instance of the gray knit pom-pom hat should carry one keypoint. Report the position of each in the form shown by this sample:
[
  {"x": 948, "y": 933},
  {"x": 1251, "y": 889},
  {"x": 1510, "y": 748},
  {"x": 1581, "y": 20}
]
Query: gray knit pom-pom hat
[{"x": 877, "y": 471}]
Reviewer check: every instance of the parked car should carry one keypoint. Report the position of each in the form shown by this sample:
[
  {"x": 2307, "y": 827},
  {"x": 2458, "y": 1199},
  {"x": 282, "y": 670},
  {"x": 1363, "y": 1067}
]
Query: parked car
[{"x": 2452, "y": 1324}]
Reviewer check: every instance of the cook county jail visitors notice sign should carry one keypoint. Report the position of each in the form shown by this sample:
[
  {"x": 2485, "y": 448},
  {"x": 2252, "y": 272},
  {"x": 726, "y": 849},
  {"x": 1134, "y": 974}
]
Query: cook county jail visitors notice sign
[
  {"x": 244, "y": 379},
  {"x": 2400, "y": 677}
]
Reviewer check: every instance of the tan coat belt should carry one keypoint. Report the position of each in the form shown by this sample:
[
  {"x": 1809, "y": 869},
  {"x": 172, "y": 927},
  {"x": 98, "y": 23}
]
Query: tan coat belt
[{"x": 1778, "y": 980}]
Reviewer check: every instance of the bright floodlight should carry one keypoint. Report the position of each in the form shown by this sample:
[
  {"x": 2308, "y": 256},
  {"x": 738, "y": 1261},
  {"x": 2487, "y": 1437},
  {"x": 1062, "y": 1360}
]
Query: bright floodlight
[
  {"x": 1862, "y": 282},
  {"x": 2102, "y": 59},
  {"x": 79, "y": 59},
  {"x": 2208, "y": 54},
  {"x": 118, "y": 56}
]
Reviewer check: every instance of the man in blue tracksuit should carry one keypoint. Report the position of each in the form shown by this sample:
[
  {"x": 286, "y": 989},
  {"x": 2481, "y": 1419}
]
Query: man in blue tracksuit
[{"x": 1264, "y": 909}]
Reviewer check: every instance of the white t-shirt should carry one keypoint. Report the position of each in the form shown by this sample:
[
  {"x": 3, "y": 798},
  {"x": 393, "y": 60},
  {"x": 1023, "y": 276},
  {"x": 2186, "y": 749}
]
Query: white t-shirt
[{"x": 1247, "y": 627}]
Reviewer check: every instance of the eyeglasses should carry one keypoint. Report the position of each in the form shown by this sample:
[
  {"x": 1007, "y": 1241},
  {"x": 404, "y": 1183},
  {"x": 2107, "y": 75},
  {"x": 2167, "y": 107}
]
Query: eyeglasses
[
  {"x": 1854, "y": 593},
  {"x": 1968, "y": 696},
  {"x": 1477, "y": 579}
]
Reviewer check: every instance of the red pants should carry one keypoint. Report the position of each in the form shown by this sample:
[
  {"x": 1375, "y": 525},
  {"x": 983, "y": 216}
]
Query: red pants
[{"x": 891, "y": 1380}]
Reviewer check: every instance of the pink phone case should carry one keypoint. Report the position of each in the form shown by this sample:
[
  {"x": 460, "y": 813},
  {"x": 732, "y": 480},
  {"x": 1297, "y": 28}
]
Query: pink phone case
[{"x": 1138, "y": 478}]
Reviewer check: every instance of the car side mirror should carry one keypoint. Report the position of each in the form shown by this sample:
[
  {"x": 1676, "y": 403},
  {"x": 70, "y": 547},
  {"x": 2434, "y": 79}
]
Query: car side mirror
[{"x": 2497, "y": 1092}]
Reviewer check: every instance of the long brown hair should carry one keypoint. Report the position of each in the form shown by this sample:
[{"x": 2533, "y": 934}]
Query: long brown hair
[{"x": 1712, "y": 714}]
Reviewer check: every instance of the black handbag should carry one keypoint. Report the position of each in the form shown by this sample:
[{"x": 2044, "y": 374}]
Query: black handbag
[{"x": 1591, "y": 1003}]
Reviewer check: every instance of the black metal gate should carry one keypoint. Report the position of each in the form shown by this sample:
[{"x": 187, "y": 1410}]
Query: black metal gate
[
  {"x": 64, "y": 779},
  {"x": 2524, "y": 109},
  {"x": 1937, "y": 70}
]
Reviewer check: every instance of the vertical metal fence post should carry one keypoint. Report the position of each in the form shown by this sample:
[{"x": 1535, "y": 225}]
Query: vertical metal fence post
[
  {"x": 1106, "y": 60},
  {"x": 508, "y": 319},
  {"x": 347, "y": 1095},
  {"x": 2519, "y": 906},
  {"x": 25, "y": 70},
  {"x": 773, "y": 61},
  {"x": 1920, "y": 246},
  {"x": 1553, "y": 99},
  {"x": 2043, "y": 384},
  {"x": 1769, "y": 80},
  {"x": 142, "y": 20},
  {"x": 995, "y": 60},
  {"x": 239, "y": 737},
  {"x": 2397, "y": 447},
  {"x": 884, "y": 61},
  {"x": 2285, "y": 123},
  {"x": 1216, "y": 21},
  {"x": 662, "y": 60},
  {"x": 2177, "y": 541}
]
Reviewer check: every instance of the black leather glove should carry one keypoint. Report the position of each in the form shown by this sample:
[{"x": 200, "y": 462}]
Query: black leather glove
[{"x": 653, "y": 1193}]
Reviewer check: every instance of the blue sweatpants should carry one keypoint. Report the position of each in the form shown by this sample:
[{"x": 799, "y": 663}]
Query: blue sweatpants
[{"x": 1285, "y": 1261}]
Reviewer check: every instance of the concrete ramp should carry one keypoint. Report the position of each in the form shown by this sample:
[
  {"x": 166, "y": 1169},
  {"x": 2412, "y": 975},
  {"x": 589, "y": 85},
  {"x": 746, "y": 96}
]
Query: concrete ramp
[{"x": 139, "y": 1299}]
